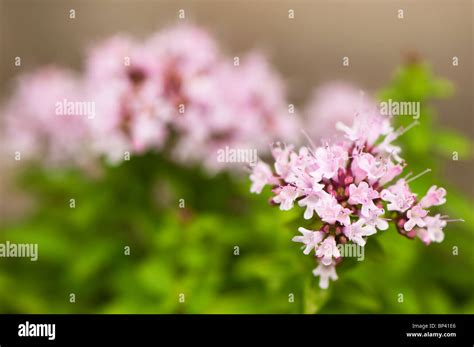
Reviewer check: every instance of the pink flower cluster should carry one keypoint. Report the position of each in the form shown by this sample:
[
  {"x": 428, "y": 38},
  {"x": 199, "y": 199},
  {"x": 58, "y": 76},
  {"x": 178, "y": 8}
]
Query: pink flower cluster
[
  {"x": 175, "y": 89},
  {"x": 31, "y": 126},
  {"x": 350, "y": 189}
]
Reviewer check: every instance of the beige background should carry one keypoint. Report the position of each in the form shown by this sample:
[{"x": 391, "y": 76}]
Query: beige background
[{"x": 307, "y": 50}]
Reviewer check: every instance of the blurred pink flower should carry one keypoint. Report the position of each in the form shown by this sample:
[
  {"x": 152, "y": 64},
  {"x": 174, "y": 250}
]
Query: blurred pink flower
[
  {"x": 332, "y": 103},
  {"x": 121, "y": 77},
  {"x": 178, "y": 82},
  {"x": 45, "y": 119},
  {"x": 240, "y": 107}
]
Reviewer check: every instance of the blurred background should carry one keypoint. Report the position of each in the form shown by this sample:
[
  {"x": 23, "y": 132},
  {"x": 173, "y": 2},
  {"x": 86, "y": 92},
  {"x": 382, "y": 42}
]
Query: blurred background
[
  {"x": 307, "y": 51},
  {"x": 192, "y": 252}
]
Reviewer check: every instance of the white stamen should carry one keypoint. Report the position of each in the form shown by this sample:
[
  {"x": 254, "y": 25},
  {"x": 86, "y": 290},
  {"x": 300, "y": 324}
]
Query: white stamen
[
  {"x": 417, "y": 176},
  {"x": 308, "y": 138},
  {"x": 403, "y": 130},
  {"x": 454, "y": 220}
]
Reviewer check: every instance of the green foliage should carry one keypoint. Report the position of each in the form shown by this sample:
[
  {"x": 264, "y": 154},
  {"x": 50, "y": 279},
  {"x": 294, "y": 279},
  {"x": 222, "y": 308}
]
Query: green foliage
[
  {"x": 415, "y": 82},
  {"x": 173, "y": 250},
  {"x": 227, "y": 250}
]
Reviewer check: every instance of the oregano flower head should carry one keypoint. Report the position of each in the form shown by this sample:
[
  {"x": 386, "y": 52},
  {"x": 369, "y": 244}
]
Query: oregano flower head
[{"x": 350, "y": 189}]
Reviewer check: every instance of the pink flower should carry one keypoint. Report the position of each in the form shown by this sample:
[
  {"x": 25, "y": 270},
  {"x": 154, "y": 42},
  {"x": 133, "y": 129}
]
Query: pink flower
[
  {"x": 363, "y": 195},
  {"x": 286, "y": 197},
  {"x": 310, "y": 239},
  {"x": 261, "y": 175},
  {"x": 366, "y": 165},
  {"x": 415, "y": 218},
  {"x": 325, "y": 272},
  {"x": 311, "y": 203},
  {"x": 120, "y": 58},
  {"x": 281, "y": 154},
  {"x": 342, "y": 186},
  {"x": 343, "y": 216},
  {"x": 359, "y": 173},
  {"x": 433, "y": 231},
  {"x": 423, "y": 235},
  {"x": 332, "y": 103},
  {"x": 328, "y": 250},
  {"x": 258, "y": 94},
  {"x": 399, "y": 196},
  {"x": 240, "y": 106},
  {"x": 356, "y": 231},
  {"x": 188, "y": 50},
  {"x": 122, "y": 77},
  {"x": 434, "y": 197},
  {"x": 435, "y": 226},
  {"x": 391, "y": 171},
  {"x": 47, "y": 118},
  {"x": 307, "y": 183},
  {"x": 328, "y": 209},
  {"x": 179, "y": 82},
  {"x": 368, "y": 125},
  {"x": 372, "y": 218},
  {"x": 387, "y": 147},
  {"x": 329, "y": 159},
  {"x": 145, "y": 133}
]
